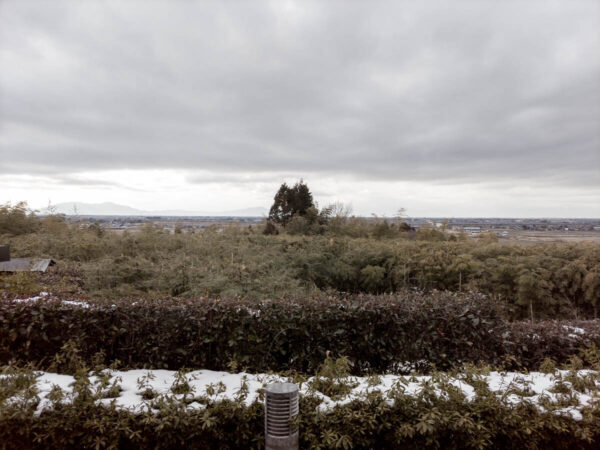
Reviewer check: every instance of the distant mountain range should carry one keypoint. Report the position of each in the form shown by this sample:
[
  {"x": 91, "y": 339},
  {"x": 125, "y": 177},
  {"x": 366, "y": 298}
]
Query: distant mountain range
[{"x": 114, "y": 209}]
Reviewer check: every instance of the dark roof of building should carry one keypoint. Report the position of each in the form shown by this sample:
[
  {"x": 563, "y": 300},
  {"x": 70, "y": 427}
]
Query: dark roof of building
[{"x": 21, "y": 264}]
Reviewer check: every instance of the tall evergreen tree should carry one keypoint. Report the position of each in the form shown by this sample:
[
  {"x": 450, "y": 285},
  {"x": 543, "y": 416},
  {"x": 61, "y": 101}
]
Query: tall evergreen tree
[{"x": 289, "y": 201}]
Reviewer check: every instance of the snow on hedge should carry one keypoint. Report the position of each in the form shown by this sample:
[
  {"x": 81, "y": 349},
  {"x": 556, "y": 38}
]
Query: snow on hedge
[
  {"x": 46, "y": 296},
  {"x": 562, "y": 392}
]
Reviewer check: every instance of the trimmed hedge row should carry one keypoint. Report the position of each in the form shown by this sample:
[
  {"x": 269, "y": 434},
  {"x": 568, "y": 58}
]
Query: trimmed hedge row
[
  {"x": 378, "y": 334},
  {"x": 559, "y": 340},
  {"x": 425, "y": 422}
]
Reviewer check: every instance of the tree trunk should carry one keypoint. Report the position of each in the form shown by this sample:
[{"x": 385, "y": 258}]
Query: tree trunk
[{"x": 531, "y": 309}]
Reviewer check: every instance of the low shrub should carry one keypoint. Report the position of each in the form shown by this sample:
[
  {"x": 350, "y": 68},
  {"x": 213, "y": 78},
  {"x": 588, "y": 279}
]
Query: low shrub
[
  {"x": 378, "y": 334},
  {"x": 435, "y": 417},
  {"x": 17, "y": 219},
  {"x": 530, "y": 344}
]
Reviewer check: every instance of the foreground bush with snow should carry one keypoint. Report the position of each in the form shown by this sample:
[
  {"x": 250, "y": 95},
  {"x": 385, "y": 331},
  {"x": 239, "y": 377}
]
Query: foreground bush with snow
[{"x": 474, "y": 407}]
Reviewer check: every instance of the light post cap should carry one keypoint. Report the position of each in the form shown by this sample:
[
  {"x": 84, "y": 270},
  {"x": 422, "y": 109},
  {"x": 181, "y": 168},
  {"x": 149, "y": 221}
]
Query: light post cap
[{"x": 282, "y": 388}]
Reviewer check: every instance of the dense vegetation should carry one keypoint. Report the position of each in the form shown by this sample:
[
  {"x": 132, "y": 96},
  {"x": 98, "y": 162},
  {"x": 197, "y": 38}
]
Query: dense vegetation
[
  {"x": 341, "y": 254},
  {"x": 288, "y": 296}
]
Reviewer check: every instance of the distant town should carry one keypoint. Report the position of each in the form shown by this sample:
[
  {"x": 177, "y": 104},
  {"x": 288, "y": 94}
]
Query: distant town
[
  {"x": 492, "y": 224},
  {"x": 577, "y": 229}
]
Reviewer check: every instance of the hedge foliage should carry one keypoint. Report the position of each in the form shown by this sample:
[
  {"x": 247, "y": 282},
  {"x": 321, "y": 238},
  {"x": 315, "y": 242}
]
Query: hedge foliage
[
  {"x": 429, "y": 419},
  {"x": 378, "y": 334},
  {"x": 413, "y": 424}
]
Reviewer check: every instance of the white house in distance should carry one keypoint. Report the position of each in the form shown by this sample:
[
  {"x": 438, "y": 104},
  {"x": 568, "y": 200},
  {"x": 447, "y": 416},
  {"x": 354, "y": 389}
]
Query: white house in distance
[{"x": 473, "y": 231}]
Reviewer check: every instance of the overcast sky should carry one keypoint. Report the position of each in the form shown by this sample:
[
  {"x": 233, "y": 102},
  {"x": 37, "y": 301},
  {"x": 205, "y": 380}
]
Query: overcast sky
[{"x": 452, "y": 108}]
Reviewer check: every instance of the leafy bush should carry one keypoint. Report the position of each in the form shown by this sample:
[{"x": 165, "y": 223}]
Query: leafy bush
[
  {"x": 17, "y": 219},
  {"x": 377, "y": 333},
  {"x": 24, "y": 282},
  {"x": 433, "y": 418},
  {"x": 557, "y": 340}
]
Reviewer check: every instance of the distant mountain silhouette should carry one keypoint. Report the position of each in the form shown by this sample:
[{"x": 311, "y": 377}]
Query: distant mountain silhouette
[{"x": 114, "y": 209}]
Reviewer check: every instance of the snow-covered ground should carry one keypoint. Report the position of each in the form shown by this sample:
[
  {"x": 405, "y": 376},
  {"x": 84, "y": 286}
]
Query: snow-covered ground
[{"x": 563, "y": 392}]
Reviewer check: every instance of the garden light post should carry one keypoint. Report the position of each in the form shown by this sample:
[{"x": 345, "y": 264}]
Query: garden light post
[{"x": 281, "y": 408}]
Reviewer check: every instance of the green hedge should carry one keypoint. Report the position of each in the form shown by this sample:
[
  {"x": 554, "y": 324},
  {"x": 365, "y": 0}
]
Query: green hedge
[
  {"x": 530, "y": 344},
  {"x": 423, "y": 422},
  {"x": 374, "y": 332},
  {"x": 377, "y": 333}
]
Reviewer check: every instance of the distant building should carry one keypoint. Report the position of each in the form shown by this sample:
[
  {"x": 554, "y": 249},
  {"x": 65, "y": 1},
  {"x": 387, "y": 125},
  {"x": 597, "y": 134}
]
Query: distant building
[{"x": 22, "y": 264}]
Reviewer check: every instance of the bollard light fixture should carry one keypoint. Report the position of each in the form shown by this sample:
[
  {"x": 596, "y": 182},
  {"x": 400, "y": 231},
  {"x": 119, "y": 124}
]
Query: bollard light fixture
[{"x": 281, "y": 408}]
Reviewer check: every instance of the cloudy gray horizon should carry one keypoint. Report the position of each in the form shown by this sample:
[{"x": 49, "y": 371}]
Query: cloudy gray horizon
[{"x": 466, "y": 108}]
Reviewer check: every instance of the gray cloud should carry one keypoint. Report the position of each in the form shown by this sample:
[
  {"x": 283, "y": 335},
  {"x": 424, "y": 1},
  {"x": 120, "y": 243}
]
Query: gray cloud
[{"x": 464, "y": 92}]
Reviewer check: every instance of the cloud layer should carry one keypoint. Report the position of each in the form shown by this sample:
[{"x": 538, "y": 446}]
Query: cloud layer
[{"x": 430, "y": 92}]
